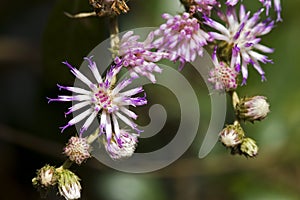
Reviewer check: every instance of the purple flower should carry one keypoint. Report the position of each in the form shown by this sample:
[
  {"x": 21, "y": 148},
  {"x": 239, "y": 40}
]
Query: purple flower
[
  {"x": 181, "y": 37},
  {"x": 242, "y": 37},
  {"x": 266, "y": 3},
  {"x": 138, "y": 58},
  {"x": 104, "y": 99},
  {"x": 205, "y": 6}
]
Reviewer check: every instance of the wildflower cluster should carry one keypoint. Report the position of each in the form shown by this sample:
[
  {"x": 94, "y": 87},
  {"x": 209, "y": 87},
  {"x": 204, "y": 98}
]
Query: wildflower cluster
[{"x": 234, "y": 40}]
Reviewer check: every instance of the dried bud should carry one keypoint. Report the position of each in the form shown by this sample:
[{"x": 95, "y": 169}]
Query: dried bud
[
  {"x": 232, "y": 135},
  {"x": 77, "y": 149},
  {"x": 46, "y": 176},
  {"x": 109, "y": 7},
  {"x": 249, "y": 147},
  {"x": 123, "y": 147},
  {"x": 68, "y": 184},
  {"x": 253, "y": 108}
]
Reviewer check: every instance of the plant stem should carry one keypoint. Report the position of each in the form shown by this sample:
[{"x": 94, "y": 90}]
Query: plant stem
[
  {"x": 114, "y": 37},
  {"x": 91, "y": 138},
  {"x": 66, "y": 165}
]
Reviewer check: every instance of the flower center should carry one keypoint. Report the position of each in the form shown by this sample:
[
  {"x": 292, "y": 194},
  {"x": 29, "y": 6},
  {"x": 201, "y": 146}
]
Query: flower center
[{"x": 103, "y": 98}]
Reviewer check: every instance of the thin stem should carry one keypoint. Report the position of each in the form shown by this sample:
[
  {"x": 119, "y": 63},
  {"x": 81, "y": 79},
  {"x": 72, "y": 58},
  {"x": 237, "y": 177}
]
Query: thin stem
[
  {"x": 235, "y": 100},
  {"x": 114, "y": 37},
  {"x": 91, "y": 138},
  {"x": 66, "y": 165}
]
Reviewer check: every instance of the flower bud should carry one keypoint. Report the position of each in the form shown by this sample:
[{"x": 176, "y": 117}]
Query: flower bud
[
  {"x": 77, "y": 149},
  {"x": 249, "y": 147},
  {"x": 223, "y": 77},
  {"x": 46, "y": 176},
  {"x": 253, "y": 108},
  {"x": 68, "y": 184},
  {"x": 232, "y": 135},
  {"x": 123, "y": 147}
]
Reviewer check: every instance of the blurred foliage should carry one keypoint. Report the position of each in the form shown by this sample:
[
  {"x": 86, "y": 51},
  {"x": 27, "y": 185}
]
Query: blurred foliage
[{"x": 36, "y": 36}]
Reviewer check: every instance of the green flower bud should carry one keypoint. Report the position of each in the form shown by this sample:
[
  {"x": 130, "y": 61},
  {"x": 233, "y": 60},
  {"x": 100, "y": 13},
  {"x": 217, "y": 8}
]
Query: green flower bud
[
  {"x": 232, "y": 135},
  {"x": 249, "y": 147},
  {"x": 68, "y": 184},
  {"x": 252, "y": 108}
]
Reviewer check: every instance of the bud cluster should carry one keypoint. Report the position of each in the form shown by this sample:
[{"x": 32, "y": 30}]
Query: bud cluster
[
  {"x": 247, "y": 109},
  {"x": 67, "y": 182},
  {"x": 233, "y": 137}
]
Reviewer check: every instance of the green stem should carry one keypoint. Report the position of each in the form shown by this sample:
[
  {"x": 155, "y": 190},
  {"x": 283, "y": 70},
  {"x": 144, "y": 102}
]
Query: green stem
[
  {"x": 91, "y": 138},
  {"x": 66, "y": 165},
  {"x": 114, "y": 35}
]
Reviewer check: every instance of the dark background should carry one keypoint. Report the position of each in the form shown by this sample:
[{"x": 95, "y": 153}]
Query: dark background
[{"x": 35, "y": 37}]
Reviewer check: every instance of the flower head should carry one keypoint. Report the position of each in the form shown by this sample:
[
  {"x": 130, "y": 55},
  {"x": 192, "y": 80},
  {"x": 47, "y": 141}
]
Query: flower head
[
  {"x": 232, "y": 135},
  {"x": 104, "y": 98},
  {"x": 253, "y": 108},
  {"x": 182, "y": 37},
  {"x": 266, "y": 3},
  {"x": 202, "y": 6},
  {"x": 241, "y": 36},
  {"x": 222, "y": 76},
  {"x": 205, "y": 6},
  {"x": 77, "y": 149},
  {"x": 68, "y": 184},
  {"x": 138, "y": 57},
  {"x": 123, "y": 148}
]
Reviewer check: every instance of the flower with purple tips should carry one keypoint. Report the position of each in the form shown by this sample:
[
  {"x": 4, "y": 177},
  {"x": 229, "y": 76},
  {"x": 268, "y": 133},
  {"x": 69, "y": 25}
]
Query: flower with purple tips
[
  {"x": 102, "y": 98},
  {"x": 124, "y": 148},
  {"x": 138, "y": 58},
  {"x": 241, "y": 36},
  {"x": 181, "y": 37},
  {"x": 277, "y": 7},
  {"x": 266, "y": 3},
  {"x": 205, "y": 6}
]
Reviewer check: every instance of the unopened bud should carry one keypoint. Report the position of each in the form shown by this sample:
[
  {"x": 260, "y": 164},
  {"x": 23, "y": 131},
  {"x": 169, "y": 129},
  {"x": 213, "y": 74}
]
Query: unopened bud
[
  {"x": 232, "y": 135},
  {"x": 68, "y": 184},
  {"x": 253, "y": 108},
  {"x": 249, "y": 147},
  {"x": 46, "y": 176}
]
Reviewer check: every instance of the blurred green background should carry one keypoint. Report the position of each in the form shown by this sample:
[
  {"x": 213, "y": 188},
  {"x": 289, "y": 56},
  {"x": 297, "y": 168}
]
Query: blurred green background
[{"x": 35, "y": 37}]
